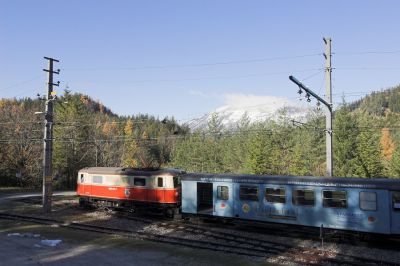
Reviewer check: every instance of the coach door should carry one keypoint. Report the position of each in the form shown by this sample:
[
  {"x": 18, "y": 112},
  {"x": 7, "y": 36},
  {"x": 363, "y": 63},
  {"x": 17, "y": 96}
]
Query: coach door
[
  {"x": 223, "y": 199},
  {"x": 205, "y": 198},
  {"x": 395, "y": 213}
]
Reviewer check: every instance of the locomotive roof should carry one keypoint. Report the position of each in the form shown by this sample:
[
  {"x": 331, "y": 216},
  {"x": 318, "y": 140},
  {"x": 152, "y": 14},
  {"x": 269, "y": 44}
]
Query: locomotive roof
[
  {"x": 377, "y": 183},
  {"x": 130, "y": 171}
]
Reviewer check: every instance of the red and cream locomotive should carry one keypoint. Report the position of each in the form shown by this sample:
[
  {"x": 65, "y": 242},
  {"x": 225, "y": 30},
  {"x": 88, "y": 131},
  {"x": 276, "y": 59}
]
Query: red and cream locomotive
[{"x": 130, "y": 188}]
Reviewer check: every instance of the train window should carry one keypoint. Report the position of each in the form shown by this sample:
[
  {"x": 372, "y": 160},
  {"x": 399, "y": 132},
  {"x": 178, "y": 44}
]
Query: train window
[
  {"x": 97, "y": 179},
  {"x": 125, "y": 180},
  {"x": 82, "y": 178},
  {"x": 303, "y": 197},
  {"x": 223, "y": 192},
  {"x": 396, "y": 201},
  {"x": 248, "y": 193},
  {"x": 334, "y": 199},
  {"x": 139, "y": 182},
  {"x": 275, "y": 195},
  {"x": 368, "y": 201},
  {"x": 160, "y": 182},
  {"x": 113, "y": 180}
]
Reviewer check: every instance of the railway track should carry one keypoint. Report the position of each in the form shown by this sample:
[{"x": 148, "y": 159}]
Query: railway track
[
  {"x": 307, "y": 255},
  {"x": 201, "y": 237},
  {"x": 273, "y": 229},
  {"x": 309, "y": 233}
]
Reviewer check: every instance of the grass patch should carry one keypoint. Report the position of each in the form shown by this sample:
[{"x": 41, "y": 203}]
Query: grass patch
[
  {"x": 19, "y": 207},
  {"x": 13, "y": 190},
  {"x": 33, "y": 205}
]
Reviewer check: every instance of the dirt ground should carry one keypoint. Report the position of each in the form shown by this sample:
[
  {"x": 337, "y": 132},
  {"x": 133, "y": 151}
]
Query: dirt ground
[
  {"x": 83, "y": 248},
  {"x": 20, "y": 244}
]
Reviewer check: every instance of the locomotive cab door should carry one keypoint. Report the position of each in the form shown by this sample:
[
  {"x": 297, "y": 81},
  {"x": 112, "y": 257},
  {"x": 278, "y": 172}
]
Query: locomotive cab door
[
  {"x": 86, "y": 182},
  {"x": 223, "y": 200},
  {"x": 395, "y": 212},
  {"x": 159, "y": 190}
]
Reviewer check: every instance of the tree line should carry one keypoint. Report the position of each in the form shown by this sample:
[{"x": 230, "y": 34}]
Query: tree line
[{"x": 86, "y": 133}]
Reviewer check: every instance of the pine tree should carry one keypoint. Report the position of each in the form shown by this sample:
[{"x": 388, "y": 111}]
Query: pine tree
[
  {"x": 368, "y": 163},
  {"x": 395, "y": 164},
  {"x": 259, "y": 156},
  {"x": 345, "y": 134}
]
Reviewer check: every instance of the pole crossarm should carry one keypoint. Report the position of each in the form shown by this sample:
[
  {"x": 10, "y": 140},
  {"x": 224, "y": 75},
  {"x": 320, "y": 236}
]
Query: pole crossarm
[
  {"x": 301, "y": 85},
  {"x": 50, "y": 59}
]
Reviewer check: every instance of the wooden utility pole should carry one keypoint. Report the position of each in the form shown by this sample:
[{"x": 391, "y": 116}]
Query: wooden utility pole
[{"x": 48, "y": 137}]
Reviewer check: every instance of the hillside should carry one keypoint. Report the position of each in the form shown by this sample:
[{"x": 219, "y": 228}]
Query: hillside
[
  {"x": 85, "y": 133},
  {"x": 379, "y": 103}
]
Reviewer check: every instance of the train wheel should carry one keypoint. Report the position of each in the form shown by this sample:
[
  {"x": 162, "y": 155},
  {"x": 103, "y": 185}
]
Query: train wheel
[
  {"x": 82, "y": 202},
  {"x": 170, "y": 213}
]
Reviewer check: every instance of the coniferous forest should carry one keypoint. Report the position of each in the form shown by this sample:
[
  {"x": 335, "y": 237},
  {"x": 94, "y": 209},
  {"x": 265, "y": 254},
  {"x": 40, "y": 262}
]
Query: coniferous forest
[{"x": 86, "y": 133}]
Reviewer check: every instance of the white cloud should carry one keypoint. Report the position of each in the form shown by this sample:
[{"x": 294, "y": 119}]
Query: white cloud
[{"x": 249, "y": 101}]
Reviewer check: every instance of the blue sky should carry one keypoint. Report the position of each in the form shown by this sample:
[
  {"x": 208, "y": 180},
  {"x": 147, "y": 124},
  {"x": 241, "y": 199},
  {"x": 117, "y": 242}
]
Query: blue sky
[{"x": 182, "y": 58}]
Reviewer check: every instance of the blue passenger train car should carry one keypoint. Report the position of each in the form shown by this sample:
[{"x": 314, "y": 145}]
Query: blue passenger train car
[{"x": 366, "y": 205}]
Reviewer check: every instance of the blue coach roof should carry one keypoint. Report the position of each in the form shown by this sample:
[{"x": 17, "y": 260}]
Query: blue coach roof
[{"x": 377, "y": 183}]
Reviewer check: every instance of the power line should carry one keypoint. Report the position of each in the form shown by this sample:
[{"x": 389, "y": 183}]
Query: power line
[
  {"x": 247, "y": 61},
  {"x": 226, "y": 77},
  {"x": 124, "y": 138},
  {"x": 367, "y": 68},
  {"x": 21, "y": 83},
  {"x": 367, "y": 52}
]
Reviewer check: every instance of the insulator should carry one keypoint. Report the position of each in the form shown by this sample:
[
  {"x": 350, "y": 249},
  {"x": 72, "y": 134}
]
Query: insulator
[
  {"x": 308, "y": 99},
  {"x": 299, "y": 91},
  {"x": 318, "y": 103}
]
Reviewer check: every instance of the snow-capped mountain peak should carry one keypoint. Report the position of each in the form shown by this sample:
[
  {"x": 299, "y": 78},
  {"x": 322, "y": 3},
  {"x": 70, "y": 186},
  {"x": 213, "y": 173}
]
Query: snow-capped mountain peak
[{"x": 257, "y": 108}]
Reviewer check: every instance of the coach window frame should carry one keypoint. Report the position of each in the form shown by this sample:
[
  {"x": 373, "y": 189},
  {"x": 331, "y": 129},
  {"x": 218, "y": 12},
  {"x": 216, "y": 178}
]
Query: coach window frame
[
  {"x": 274, "y": 195},
  {"x": 249, "y": 196},
  {"x": 223, "y": 195},
  {"x": 302, "y": 204},
  {"x": 334, "y": 190},
  {"x": 376, "y": 200}
]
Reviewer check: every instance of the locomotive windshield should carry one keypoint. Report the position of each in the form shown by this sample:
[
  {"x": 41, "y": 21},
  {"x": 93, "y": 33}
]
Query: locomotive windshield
[{"x": 177, "y": 182}]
